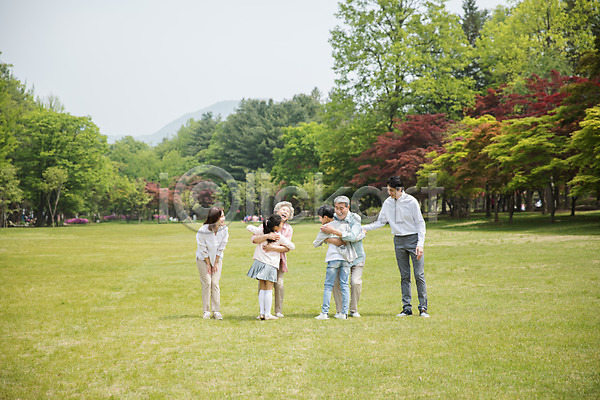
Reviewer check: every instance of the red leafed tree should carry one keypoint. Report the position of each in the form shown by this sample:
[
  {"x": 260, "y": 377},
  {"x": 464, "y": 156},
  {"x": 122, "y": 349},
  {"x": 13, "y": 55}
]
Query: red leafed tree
[
  {"x": 582, "y": 94},
  {"x": 545, "y": 94},
  {"x": 403, "y": 152},
  {"x": 539, "y": 98},
  {"x": 153, "y": 189},
  {"x": 497, "y": 102}
]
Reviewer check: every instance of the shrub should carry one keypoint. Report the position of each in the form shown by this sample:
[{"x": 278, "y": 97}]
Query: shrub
[{"x": 77, "y": 221}]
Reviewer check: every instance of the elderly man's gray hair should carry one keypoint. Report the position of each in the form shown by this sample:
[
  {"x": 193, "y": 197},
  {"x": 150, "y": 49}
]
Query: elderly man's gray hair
[
  {"x": 282, "y": 204},
  {"x": 342, "y": 199}
]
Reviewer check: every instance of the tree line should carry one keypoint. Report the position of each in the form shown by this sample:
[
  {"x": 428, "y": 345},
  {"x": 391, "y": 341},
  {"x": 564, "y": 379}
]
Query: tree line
[{"x": 500, "y": 106}]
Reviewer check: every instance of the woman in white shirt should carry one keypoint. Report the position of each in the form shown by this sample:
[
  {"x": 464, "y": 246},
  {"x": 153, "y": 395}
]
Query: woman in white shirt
[{"x": 211, "y": 239}]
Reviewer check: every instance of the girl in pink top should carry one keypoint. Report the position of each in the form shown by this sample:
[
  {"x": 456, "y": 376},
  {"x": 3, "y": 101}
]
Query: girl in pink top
[
  {"x": 286, "y": 211},
  {"x": 266, "y": 263}
]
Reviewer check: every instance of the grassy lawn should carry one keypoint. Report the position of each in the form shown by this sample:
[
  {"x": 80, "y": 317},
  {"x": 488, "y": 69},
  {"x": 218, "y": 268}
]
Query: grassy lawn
[{"x": 114, "y": 310}]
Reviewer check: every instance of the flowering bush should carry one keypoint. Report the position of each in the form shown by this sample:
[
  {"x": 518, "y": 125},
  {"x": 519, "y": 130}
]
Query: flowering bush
[
  {"x": 77, "y": 221},
  {"x": 161, "y": 217}
]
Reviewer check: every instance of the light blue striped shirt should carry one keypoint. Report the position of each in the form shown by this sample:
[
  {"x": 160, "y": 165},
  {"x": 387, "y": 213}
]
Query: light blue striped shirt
[{"x": 354, "y": 236}]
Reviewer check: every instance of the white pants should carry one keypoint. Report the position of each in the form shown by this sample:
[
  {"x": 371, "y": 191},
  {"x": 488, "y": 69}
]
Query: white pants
[{"x": 211, "y": 293}]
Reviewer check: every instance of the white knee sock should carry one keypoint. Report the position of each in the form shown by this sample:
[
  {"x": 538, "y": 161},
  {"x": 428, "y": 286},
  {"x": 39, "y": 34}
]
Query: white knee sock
[
  {"x": 268, "y": 301},
  {"x": 261, "y": 301}
]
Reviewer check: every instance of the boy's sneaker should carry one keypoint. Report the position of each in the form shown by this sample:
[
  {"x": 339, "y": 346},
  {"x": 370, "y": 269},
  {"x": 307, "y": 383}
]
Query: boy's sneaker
[
  {"x": 341, "y": 316},
  {"x": 279, "y": 315},
  {"x": 405, "y": 313},
  {"x": 217, "y": 315},
  {"x": 206, "y": 315},
  {"x": 354, "y": 314},
  {"x": 423, "y": 313},
  {"x": 322, "y": 316}
]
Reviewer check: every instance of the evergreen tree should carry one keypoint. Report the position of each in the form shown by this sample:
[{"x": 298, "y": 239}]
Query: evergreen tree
[
  {"x": 246, "y": 140},
  {"x": 472, "y": 21}
]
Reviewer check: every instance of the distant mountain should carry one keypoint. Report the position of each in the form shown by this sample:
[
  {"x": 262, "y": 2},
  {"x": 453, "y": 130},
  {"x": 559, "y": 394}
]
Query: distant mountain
[{"x": 222, "y": 108}]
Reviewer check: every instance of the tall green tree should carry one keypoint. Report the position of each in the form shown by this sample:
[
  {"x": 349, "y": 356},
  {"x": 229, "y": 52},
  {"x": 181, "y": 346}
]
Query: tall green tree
[
  {"x": 536, "y": 37},
  {"x": 135, "y": 159},
  {"x": 10, "y": 192},
  {"x": 128, "y": 197},
  {"x": 98, "y": 196},
  {"x": 586, "y": 143},
  {"x": 298, "y": 160},
  {"x": 392, "y": 58},
  {"x": 15, "y": 101},
  {"x": 175, "y": 164},
  {"x": 464, "y": 168},
  {"x": 53, "y": 183},
  {"x": 50, "y": 139},
  {"x": 347, "y": 134},
  {"x": 535, "y": 153},
  {"x": 397, "y": 56}
]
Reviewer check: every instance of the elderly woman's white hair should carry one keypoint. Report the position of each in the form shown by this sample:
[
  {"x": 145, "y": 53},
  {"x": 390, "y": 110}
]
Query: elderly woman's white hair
[{"x": 282, "y": 204}]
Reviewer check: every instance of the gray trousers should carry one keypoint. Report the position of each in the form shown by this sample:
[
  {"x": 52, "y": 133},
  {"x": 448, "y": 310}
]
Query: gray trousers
[{"x": 405, "y": 247}]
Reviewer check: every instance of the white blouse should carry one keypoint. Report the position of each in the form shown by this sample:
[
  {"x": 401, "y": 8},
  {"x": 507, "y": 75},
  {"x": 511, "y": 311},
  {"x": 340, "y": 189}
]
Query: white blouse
[{"x": 210, "y": 244}]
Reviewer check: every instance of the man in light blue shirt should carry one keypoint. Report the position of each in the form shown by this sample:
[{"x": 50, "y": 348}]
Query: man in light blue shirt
[
  {"x": 353, "y": 238},
  {"x": 338, "y": 259},
  {"x": 403, "y": 213}
]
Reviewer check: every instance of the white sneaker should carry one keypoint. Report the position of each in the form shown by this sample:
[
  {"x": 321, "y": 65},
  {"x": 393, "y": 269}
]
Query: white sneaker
[
  {"x": 424, "y": 314},
  {"x": 354, "y": 314},
  {"x": 322, "y": 316},
  {"x": 341, "y": 316},
  {"x": 270, "y": 317},
  {"x": 279, "y": 315},
  {"x": 217, "y": 315},
  {"x": 206, "y": 315}
]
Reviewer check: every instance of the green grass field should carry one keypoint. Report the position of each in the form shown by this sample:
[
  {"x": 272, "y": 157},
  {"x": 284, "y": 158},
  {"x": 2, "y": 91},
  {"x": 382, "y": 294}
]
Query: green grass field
[{"x": 114, "y": 311}]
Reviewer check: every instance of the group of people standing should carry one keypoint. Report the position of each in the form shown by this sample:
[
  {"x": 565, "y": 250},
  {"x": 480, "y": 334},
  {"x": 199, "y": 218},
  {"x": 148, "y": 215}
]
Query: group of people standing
[{"x": 342, "y": 231}]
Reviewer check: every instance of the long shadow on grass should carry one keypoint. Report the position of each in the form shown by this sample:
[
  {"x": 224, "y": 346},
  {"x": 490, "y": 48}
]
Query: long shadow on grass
[
  {"x": 180, "y": 316},
  {"x": 194, "y": 316},
  {"x": 583, "y": 223},
  {"x": 288, "y": 316}
]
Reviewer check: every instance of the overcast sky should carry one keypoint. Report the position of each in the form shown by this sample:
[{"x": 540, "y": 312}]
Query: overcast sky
[{"x": 134, "y": 66}]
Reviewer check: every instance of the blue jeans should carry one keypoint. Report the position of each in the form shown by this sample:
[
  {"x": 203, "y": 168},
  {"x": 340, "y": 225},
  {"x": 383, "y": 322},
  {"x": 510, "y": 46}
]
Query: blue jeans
[{"x": 335, "y": 268}]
